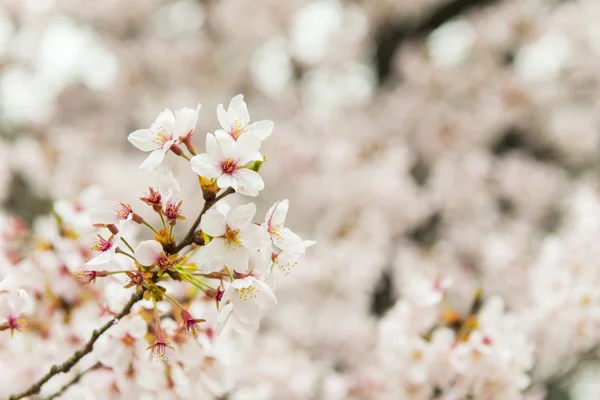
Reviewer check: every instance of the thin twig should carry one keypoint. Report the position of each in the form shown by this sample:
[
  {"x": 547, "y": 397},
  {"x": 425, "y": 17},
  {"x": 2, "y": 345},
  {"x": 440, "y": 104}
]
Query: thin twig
[
  {"x": 73, "y": 381},
  {"x": 78, "y": 355},
  {"x": 190, "y": 235}
]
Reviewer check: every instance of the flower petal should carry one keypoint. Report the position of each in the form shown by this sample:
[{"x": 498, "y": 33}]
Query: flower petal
[
  {"x": 153, "y": 160},
  {"x": 143, "y": 139},
  {"x": 147, "y": 252},
  {"x": 246, "y": 149},
  {"x": 264, "y": 295},
  {"x": 213, "y": 223},
  {"x": 254, "y": 237},
  {"x": 223, "y": 118},
  {"x": 204, "y": 165},
  {"x": 279, "y": 213},
  {"x": 185, "y": 121},
  {"x": 241, "y": 216},
  {"x": 225, "y": 181},
  {"x": 238, "y": 109},
  {"x": 250, "y": 182},
  {"x": 260, "y": 128}
]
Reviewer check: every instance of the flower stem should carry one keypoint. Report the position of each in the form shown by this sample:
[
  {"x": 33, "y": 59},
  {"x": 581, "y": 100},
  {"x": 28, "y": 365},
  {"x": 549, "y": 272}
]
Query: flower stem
[
  {"x": 231, "y": 278},
  {"x": 127, "y": 244},
  {"x": 151, "y": 227},
  {"x": 125, "y": 254},
  {"x": 173, "y": 301}
]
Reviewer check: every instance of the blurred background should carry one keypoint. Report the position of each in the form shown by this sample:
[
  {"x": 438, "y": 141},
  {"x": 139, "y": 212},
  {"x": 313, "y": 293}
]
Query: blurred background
[{"x": 414, "y": 139}]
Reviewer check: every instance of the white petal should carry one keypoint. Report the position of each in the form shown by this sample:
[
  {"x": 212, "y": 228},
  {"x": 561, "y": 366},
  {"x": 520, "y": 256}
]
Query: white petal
[
  {"x": 165, "y": 120},
  {"x": 279, "y": 213},
  {"x": 168, "y": 184},
  {"x": 237, "y": 258},
  {"x": 101, "y": 258},
  {"x": 147, "y": 252},
  {"x": 241, "y": 327},
  {"x": 225, "y": 181},
  {"x": 250, "y": 182},
  {"x": 223, "y": 118},
  {"x": 241, "y": 216},
  {"x": 246, "y": 149},
  {"x": 264, "y": 297},
  {"x": 260, "y": 128},
  {"x": 254, "y": 237},
  {"x": 143, "y": 139},
  {"x": 103, "y": 212},
  {"x": 237, "y": 109},
  {"x": 204, "y": 165},
  {"x": 153, "y": 160},
  {"x": 212, "y": 147},
  {"x": 226, "y": 144},
  {"x": 210, "y": 258},
  {"x": 285, "y": 239},
  {"x": 213, "y": 223},
  {"x": 247, "y": 310},
  {"x": 185, "y": 121}
]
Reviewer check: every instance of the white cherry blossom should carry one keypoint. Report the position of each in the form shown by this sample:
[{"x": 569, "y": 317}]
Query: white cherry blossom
[
  {"x": 235, "y": 237},
  {"x": 117, "y": 347},
  {"x": 166, "y": 131},
  {"x": 247, "y": 298},
  {"x": 236, "y": 120},
  {"x": 228, "y": 161},
  {"x": 281, "y": 236}
]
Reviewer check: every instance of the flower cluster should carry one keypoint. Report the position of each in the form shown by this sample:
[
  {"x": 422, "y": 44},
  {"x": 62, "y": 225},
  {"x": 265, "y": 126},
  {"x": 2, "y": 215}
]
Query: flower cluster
[{"x": 225, "y": 262}]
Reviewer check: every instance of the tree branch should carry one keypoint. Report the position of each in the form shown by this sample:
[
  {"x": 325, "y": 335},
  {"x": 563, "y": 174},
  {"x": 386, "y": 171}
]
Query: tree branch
[
  {"x": 78, "y": 355},
  {"x": 73, "y": 381},
  {"x": 190, "y": 235},
  {"x": 391, "y": 35}
]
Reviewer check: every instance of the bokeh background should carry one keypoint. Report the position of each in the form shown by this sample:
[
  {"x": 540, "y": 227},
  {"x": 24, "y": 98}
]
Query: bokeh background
[{"x": 414, "y": 139}]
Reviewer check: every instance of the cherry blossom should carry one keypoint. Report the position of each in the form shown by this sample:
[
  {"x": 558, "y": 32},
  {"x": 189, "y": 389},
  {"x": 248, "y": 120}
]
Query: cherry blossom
[
  {"x": 118, "y": 346},
  {"x": 234, "y": 238},
  {"x": 236, "y": 120},
  {"x": 227, "y": 161},
  {"x": 167, "y": 131},
  {"x": 247, "y": 298},
  {"x": 105, "y": 249}
]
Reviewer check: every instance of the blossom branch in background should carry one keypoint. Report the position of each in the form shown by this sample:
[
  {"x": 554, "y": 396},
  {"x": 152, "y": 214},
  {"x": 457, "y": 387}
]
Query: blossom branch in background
[{"x": 75, "y": 358}]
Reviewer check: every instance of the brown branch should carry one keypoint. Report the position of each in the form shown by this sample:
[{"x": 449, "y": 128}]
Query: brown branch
[
  {"x": 187, "y": 240},
  {"x": 73, "y": 381},
  {"x": 393, "y": 34},
  {"x": 78, "y": 355}
]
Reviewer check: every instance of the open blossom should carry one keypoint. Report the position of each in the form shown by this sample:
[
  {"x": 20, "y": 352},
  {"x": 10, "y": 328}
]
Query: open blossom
[
  {"x": 117, "y": 347},
  {"x": 105, "y": 249},
  {"x": 167, "y": 131},
  {"x": 247, "y": 298},
  {"x": 281, "y": 236},
  {"x": 228, "y": 160},
  {"x": 150, "y": 252},
  {"x": 234, "y": 238},
  {"x": 14, "y": 306},
  {"x": 108, "y": 212},
  {"x": 236, "y": 120}
]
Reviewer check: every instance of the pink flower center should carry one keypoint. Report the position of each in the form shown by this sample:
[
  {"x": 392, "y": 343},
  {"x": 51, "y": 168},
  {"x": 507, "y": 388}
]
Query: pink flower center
[
  {"x": 228, "y": 166},
  {"x": 238, "y": 129},
  {"x": 172, "y": 211},
  {"x": 123, "y": 211},
  {"x": 162, "y": 136},
  {"x": 102, "y": 245}
]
